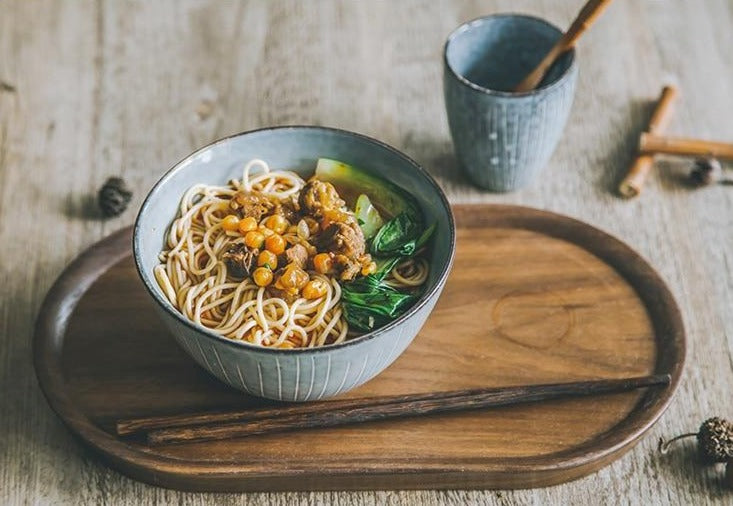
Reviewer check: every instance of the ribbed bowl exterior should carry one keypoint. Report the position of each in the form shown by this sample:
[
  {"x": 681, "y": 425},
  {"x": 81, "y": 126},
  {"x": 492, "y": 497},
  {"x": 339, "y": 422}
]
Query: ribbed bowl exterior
[
  {"x": 306, "y": 375},
  {"x": 501, "y": 139}
]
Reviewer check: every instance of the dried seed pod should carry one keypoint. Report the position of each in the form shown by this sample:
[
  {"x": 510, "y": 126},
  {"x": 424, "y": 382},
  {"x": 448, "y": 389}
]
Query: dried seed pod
[
  {"x": 705, "y": 171},
  {"x": 714, "y": 440},
  {"x": 114, "y": 196}
]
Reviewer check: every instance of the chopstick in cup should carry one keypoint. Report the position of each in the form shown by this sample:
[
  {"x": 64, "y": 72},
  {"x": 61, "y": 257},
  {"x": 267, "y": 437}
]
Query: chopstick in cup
[
  {"x": 192, "y": 428},
  {"x": 587, "y": 15}
]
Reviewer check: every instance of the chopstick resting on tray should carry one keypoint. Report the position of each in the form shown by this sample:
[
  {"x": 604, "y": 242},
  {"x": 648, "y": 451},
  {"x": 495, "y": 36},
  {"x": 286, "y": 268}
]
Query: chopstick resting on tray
[{"x": 226, "y": 425}]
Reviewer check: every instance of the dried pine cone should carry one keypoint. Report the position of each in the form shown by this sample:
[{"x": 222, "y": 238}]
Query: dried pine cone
[
  {"x": 715, "y": 440},
  {"x": 114, "y": 196}
]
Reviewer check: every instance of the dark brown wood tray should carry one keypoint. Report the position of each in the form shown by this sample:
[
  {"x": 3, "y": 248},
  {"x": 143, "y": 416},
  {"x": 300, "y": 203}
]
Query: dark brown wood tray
[{"x": 534, "y": 297}]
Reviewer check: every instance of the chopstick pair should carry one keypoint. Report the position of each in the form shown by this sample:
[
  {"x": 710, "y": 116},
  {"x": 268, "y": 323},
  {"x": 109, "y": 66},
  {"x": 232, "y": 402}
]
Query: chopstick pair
[{"x": 189, "y": 428}]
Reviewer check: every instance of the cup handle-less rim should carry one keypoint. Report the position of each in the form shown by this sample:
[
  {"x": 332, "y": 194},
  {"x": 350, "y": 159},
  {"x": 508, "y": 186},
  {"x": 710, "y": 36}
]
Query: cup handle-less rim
[{"x": 498, "y": 93}]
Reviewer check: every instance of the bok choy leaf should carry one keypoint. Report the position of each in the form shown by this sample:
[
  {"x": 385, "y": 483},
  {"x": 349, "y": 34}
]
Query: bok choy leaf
[{"x": 368, "y": 302}]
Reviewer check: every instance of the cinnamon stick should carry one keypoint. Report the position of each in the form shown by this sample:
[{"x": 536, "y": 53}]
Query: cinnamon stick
[
  {"x": 633, "y": 182},
  {"x": 332, "y": 413},
  {"x": 585, "y": 18},
  {"x": 651, "y": 144}
]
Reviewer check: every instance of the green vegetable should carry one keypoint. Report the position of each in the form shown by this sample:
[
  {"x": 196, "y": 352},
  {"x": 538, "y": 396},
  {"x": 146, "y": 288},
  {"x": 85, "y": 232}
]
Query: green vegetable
[
  {"x": 385, "y": 266},
  {"x": 367, "y": 216},
  {"x": 397, "y": 237},
  {"x": 425, "y": 237},
  {"x": 381, "y": 298},
  {"x": 363, "y": 318},
  {"x": 369, "y": 303},
  {"x": 351, "y": 180}
]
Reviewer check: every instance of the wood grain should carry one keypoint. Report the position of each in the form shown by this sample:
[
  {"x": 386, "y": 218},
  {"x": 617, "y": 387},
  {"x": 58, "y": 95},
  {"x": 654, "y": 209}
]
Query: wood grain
[
  {"x": 97, "y": 88},
  {"x": 563, "y": 301}
]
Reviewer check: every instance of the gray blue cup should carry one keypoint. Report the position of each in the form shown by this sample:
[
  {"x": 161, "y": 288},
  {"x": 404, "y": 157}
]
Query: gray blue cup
[{"x": 501, "y": 138}]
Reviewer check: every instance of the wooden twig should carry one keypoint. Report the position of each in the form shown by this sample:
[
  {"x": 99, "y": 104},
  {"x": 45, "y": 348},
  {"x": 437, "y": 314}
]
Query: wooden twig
[
  {"x": 679, "y": 146},
  {"x": 217, "y": 426},
  {"x": 633, "y": 182}
]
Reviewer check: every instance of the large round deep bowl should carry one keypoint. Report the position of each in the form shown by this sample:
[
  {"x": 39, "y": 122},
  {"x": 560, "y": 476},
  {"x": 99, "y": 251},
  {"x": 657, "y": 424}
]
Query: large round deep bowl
[{"x": 308, "y": 373}]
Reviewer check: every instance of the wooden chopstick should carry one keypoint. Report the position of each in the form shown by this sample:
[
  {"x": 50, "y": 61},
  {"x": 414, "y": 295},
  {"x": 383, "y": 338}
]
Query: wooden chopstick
[
  {"x": 585, "y": 18},
  {"x": 218, "y": 426},
  {"x": 138, "y": 425}
]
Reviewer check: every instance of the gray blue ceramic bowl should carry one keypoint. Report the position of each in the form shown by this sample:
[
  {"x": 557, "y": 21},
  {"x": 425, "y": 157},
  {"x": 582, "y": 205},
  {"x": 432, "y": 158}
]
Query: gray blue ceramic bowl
[{"x": 298, "y": 374}]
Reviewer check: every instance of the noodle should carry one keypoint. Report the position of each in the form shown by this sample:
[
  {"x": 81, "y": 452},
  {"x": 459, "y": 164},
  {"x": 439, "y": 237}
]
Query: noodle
[
  {"x": 195, "y": 279},
  {"x": 410, "y": 273}
]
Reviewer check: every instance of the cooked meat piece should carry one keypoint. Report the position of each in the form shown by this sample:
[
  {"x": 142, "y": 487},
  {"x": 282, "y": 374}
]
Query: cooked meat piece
[
  {"x": 342, "y": 239},
  {"x": 347, "y": 268},
  {"x": 240, "y": 260},
  {"x": 289, "y": 209},
  {"x": 252, "y": 203},
  {"x": 297, "y": 254},
  {"x": 317, "y": 196}
]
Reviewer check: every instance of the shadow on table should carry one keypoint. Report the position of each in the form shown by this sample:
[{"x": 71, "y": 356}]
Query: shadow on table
[
  {"x": 438, "y": 158},
  {"x": 84, "y": 207},
  {"x": 682, "y": 465},
  {"x": 633, "y": 118}
]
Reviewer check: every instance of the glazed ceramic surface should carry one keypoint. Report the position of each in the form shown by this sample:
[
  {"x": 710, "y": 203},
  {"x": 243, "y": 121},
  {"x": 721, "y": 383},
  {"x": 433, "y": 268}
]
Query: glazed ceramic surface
[
  {"x": 503, "y": 139},
  {"x": 299, "y": 374}
]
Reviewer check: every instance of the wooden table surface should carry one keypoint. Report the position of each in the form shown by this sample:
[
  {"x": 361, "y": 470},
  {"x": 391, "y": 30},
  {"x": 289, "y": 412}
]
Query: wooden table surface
[{"x": 98, "y": 88}]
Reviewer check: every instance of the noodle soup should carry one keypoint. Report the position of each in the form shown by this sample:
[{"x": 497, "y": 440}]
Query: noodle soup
[{"x": 280, "y": 262}]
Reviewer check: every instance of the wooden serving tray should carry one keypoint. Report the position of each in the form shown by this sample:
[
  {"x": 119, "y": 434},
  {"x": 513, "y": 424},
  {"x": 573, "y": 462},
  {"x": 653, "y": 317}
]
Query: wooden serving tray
[{"x": 533, "y": 297}]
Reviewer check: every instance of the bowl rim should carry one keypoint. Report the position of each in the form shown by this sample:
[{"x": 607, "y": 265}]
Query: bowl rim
[
  {"x": 468, "y": 25},
  {"x": 177, "y": 315}
]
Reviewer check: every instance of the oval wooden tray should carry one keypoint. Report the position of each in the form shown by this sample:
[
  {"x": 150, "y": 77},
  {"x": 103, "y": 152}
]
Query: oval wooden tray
[{"x": 534, "y": 297}]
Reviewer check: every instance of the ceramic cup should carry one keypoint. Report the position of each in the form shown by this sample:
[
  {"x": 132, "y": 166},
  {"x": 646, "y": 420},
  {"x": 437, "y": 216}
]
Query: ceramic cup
[{"x": 503, "y": 139}]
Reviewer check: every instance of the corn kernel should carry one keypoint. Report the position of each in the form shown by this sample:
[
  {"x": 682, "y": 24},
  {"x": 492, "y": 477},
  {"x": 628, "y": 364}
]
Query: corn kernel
[
  {"x": 314, "y": 289},
  {"x": 277, "y": 223},
  {"x": 262, "y": 276},
  {"x": 293, "y": 278},
  {"x": 267, "y": 259},
  {"x": 230, "y": 223},
  {"x": 275, "y": 243},
  {"x": 254, "y": 239},
  {"x": 247, "y": 225},
  {"x": 323, "y": 263}
]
